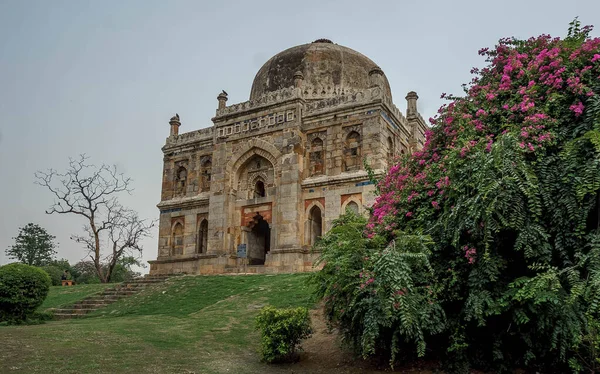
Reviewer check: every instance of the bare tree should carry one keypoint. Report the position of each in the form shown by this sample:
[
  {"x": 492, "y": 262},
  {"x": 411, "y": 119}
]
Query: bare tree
[{"x": 92, "y": 193}]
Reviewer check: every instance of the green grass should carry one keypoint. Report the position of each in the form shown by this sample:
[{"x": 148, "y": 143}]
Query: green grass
[
  {"x": 60, "y": 296},
  {"x": 202, "y": 324}
]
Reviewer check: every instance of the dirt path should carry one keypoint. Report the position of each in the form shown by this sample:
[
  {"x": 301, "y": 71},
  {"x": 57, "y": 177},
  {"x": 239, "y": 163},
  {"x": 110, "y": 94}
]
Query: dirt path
[{"x": 323, "y": 354}]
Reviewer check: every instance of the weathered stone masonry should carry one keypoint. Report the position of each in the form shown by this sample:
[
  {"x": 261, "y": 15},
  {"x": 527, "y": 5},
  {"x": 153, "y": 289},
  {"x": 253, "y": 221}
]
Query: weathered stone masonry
[{"x": 272, "y": 173}]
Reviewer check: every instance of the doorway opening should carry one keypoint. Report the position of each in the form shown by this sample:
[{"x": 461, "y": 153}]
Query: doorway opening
[{"x": 259, "y": 241}]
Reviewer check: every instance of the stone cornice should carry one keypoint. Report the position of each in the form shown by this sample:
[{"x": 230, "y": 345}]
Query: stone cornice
[
  {"x": 346, "y": 177},
  {"x": 193, "y": 257},
  {"x": 183, "y": 203}
]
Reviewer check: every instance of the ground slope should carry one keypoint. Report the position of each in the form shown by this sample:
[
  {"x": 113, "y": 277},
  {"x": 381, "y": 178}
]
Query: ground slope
[{"x": 202, "y": 324}]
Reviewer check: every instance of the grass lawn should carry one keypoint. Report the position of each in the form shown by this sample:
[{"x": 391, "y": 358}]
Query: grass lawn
[
  {"x": 60, "y": 296},
  {"x": 202, "y": 324}
]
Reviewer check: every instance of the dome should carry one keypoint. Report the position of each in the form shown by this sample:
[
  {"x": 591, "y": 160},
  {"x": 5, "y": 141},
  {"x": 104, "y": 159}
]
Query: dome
[{"x": 322, "y": 64}]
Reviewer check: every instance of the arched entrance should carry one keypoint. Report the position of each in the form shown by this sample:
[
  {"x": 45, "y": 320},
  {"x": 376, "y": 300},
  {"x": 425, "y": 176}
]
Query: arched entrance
[{"x": 258, "y": 241}]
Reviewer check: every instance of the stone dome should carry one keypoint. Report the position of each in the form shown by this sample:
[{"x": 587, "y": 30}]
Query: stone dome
[{"x": 322, "y": 64}]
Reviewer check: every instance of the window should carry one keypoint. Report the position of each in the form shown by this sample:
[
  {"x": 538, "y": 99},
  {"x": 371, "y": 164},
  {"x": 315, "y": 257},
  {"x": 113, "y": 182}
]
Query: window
[
  {"x": 316, "y": 157},
  {"x": 390, "y": 151},
  {"x": 205, "y": 175},
  {"x": 181, "y": 181},
  {"x": 315, "y": 225},
  {"x": 353, "y": 207},
  {"x": 259, "y": 189},
  {"x": 351, "y": 159},
  {"x": 202, "y": 244},
  {"x": 177, "y": 239}
]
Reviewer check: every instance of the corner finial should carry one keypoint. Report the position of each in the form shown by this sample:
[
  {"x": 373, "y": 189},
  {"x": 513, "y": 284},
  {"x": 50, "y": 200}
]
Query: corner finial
[
  {"x": 411, "y": 103},
  {"x": 222, "y": 99},
  {"x": 376, "y": 76},
  {"x": 175, "y": 123},
  {"x": 298, "y": 79}
]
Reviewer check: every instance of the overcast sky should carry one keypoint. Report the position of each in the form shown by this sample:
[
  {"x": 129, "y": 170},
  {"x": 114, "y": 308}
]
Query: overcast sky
[{"x": 104, "y": 77}]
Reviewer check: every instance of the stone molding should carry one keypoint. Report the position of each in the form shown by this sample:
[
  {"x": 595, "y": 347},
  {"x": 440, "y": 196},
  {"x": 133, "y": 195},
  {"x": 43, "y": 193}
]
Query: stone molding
[{"x": 346, "y": 177}]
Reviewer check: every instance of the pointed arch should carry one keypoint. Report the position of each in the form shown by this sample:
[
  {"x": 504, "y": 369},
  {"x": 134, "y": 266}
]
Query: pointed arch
[
  {"x": 270, "y": 153},
  {"x": 177, "y": 239},
  {"x": 202, "y": 240}
]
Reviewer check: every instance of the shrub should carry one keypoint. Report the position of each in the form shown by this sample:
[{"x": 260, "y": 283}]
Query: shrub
[
  {"x": 23, "y": 288},
  {"x": 55, "y": 273},
  {"x": 508, "y": 188},
  {"x": 378, "y": 295},
  {"x": 282, "y": 330}
]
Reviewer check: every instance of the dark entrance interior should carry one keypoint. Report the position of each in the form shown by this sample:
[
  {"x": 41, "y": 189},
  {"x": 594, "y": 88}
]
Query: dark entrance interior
[{"x": 259, "y": 241}]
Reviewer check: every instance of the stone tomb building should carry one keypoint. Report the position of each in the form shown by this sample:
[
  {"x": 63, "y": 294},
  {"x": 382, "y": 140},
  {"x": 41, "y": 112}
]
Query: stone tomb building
[{"x": 272, "y": 173}]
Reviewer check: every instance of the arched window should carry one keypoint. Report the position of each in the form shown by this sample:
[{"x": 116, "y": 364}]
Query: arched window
[
  {"x": 353, "y": 207},
  {"x": 177, "y": 240},
  {"x": 390, "y": 151},
  {"x": 315, "y": 225},
  {"x": 316, "y": 157},
  {"x": 181, "y": 181},
  {"x": 259, "y": 189},
  {"x": 202, "y": 244},
  {"x": 205, "y": 175},
  {"x": 352, "y": 151}
]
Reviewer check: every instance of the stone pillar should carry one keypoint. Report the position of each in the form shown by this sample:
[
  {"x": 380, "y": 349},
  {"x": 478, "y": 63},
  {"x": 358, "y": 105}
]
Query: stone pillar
[
  {"x": 175, "y": 123},
  {"x": 222, "y": 99}
]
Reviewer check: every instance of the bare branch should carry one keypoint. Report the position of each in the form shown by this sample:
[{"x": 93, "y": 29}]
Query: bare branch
[{"x": 92, "y": 192}]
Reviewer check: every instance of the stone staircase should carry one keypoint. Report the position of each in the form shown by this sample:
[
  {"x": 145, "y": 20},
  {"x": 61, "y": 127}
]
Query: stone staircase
[{"x": 106, "y": 297}]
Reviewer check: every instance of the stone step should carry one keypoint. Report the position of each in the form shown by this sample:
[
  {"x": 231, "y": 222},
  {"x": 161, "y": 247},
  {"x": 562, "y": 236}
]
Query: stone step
[
  {"x": 106, "y": 297},
  {"x": 89, "y": 306},
  {"x": 96, "y": 301},
  {"x": 74, "y": 311},
  {"x": 67, "y": 315},
  {"x": 118, "y": 292}
]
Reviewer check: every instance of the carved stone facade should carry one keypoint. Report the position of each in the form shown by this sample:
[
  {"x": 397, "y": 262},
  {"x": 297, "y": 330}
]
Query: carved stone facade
[{"x": 272, "y": 173}]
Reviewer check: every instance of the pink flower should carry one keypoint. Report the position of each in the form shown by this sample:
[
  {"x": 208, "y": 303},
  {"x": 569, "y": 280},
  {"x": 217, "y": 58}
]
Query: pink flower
[
  {"x": 409, "y": 214},
  {"x": 596, "y": 57},
  {"x": 577, "y": 109},
  {"x": 435, "y": 204}
]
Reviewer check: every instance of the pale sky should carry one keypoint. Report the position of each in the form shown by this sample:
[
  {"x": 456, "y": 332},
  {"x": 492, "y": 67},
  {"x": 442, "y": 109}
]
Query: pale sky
[{"x": 104, "y": 77}]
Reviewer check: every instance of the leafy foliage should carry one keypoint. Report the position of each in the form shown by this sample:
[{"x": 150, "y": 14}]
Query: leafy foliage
[
  {"x": 282, "y": 330},
  {"x": 380, "y": 296},
  {"x": 507, "y": 187},
  {"x": 22, "y": 289},
  {"x": 33, "y": 246}
]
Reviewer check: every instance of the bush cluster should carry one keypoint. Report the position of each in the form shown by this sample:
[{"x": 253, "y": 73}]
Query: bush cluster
[
  {"x": 507, "y": 191},
  {"x": 281, "y": 331},
  {"x": 23, "y": 288}
]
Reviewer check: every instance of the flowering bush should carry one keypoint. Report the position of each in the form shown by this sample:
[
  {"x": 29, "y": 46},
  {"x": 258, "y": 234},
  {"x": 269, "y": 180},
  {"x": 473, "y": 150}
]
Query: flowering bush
[{"x": 507, "y": 187}]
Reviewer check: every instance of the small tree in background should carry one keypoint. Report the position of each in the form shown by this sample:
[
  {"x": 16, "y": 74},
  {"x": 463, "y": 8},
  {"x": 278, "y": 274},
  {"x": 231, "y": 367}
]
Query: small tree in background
[
  {"x": 33, "y": 246},
  {"x": 111, "y": 230}
]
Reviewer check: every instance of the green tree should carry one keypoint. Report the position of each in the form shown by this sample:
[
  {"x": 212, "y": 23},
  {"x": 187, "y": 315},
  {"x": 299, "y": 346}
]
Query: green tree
[{"x": 33, "y": 246}]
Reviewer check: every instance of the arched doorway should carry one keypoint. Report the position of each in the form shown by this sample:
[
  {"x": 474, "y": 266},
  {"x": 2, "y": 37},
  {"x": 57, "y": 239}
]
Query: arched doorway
[
  {"x": 315, "y": 225},
  {"x": 258, "y": 241}
]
